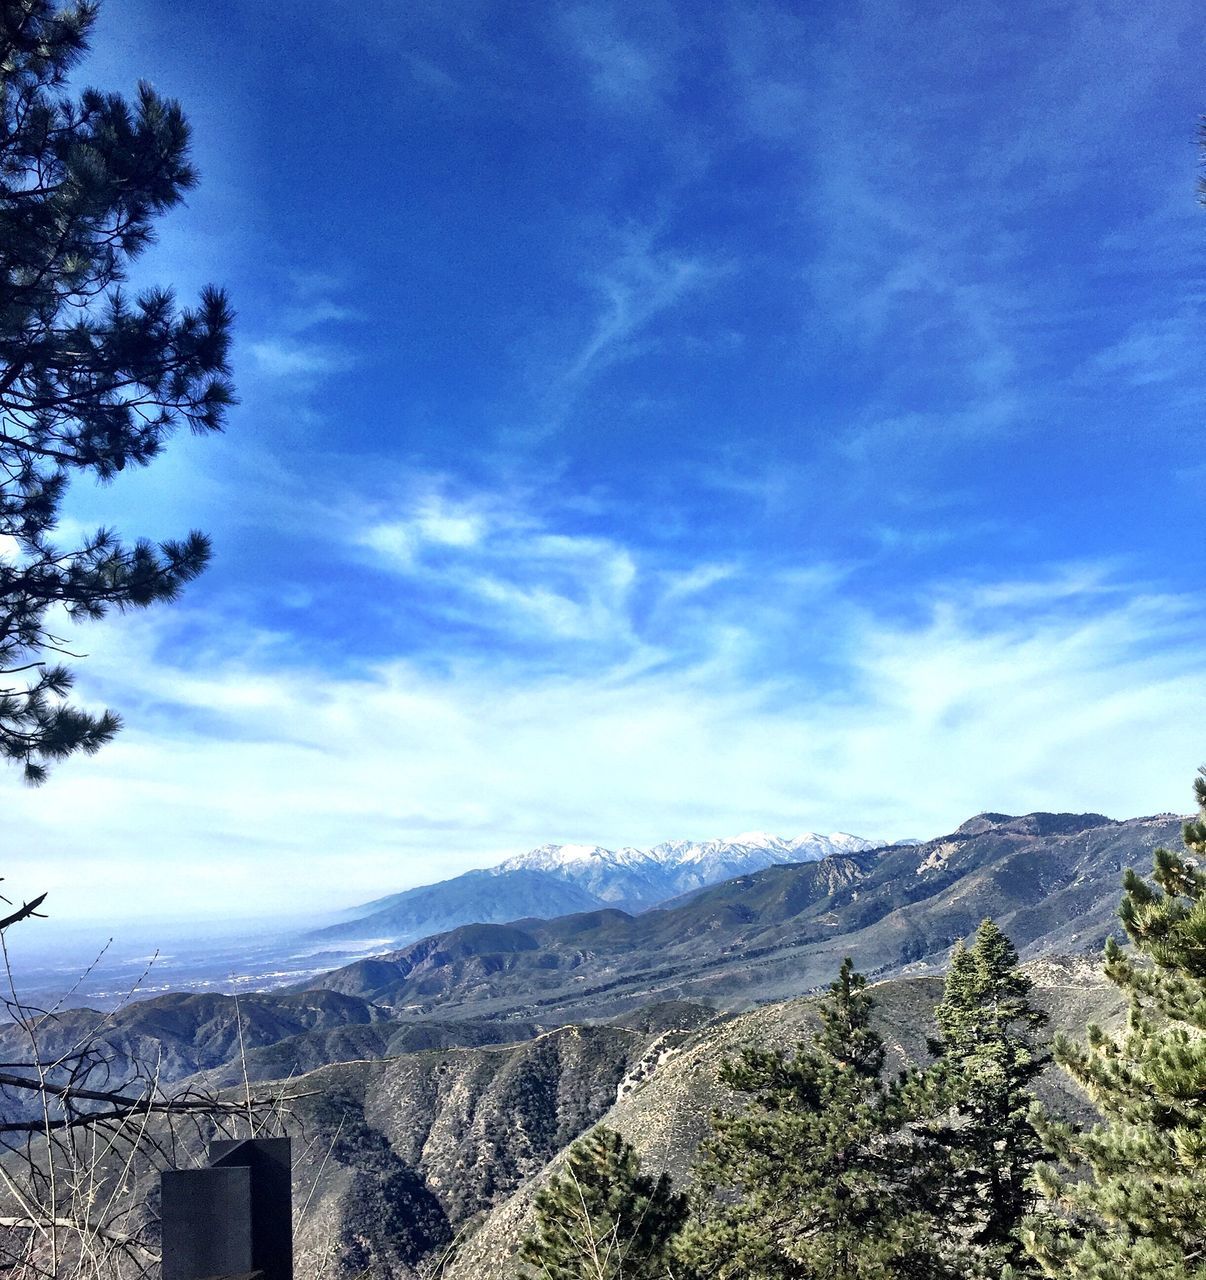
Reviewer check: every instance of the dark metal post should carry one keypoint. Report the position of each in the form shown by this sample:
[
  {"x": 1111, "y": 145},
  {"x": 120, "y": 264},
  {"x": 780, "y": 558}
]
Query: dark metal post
[
  {"x": 233, "y": 1218},
  {"x": 206, "y": 1217},
  {"x": 270, "y": 1161}
]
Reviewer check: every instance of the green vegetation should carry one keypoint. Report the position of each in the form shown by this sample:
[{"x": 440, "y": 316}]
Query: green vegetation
[
  {"x": 816, "y": 1177},
  {"x": 831, "y": 1171},
  {"x": 1130, "y": 1205},
  {"x": 602, "y": 1218},
  {"x": 92, "y": 380},
  {"x": 833, "y": 1174},
  {"x": 987, "y": 1063}
]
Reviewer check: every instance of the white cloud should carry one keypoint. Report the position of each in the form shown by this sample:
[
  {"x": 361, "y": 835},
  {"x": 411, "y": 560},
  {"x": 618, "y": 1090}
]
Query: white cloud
[
  {"x": 622, "y": 72},
  {"x": 629, "y": 53},
  {"x": 428, "y": 75},
  {"x": 638, "y": 284},
  {"x": 432, "y": 521},
  {"x": 290, "y": 358},
  {"x": 495, "y": 562},
  {"x": 333, "y": 787},
  {"x": 1085, "y": 581},
  {"x": 1162, "y": 350},
  {"x": 292, "y": 350},
  {"x": 632, "y": 280}
]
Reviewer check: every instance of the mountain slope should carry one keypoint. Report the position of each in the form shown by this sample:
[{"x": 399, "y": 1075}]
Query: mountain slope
[
  {"x": 1051, "y": 881},
  {"x": 461, "y": 1140},
  {"x": 557, "y": 879},
  {"x": 283, "y": 1034},
  {"x": 663, "y": 1111},
  {"x": 475, "y": 897},
  {"x": 405, "y": 1152},
  {"x": 410, "y": 1160},
  {"x": 635, "y": 879}
]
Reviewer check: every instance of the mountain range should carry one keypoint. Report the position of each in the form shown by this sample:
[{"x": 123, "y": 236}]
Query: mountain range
[
  {"x": 437, "y": 1085},
  {"x": 557, "y": 879},
  {"x": 421, "y": 1163},
  {"x": 663, "y": 1103},
  {"x": 1050, "y": 880}
]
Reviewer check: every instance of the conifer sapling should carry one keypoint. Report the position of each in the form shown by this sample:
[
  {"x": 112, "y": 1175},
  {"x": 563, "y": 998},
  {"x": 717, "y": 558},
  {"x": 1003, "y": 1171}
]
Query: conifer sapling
[{"x": 602, "y": 1218}]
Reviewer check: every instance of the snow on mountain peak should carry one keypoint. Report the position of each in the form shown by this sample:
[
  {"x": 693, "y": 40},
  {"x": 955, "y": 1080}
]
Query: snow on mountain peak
[
  {"x": 757, "y": 840},
  {"x": 673, "y": 853},
  {"x": 549, "y": 857},
  {"x": 636, "y": 879}
]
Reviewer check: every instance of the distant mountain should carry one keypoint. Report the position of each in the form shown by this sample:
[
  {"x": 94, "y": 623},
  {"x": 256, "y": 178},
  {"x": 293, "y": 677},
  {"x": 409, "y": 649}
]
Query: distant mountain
[
  {"x": 455, "y": 1077},
  {"x": 636, "y": 879},
  {"x": 475, "y": 897},
  {"x": 1052, "y": 881},
  {"x": 558, "y": 879}
]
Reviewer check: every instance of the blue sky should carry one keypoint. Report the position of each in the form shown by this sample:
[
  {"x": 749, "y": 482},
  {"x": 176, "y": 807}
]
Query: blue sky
[{"x": 656, "y": 421}]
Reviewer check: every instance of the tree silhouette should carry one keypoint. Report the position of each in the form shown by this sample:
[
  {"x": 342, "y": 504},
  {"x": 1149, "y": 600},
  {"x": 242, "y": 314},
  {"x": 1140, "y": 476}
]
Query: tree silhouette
[{"x": 92, "y": 379}]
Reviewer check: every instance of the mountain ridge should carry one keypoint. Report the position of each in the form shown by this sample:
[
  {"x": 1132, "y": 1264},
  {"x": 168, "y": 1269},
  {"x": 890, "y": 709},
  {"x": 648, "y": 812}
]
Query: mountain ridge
[
  {"x": 769, "y": 935},
  {"x": 1050, "y": 880},
  {"x": 481, "y": 1130},
  {"x": 557, "y": 879}
]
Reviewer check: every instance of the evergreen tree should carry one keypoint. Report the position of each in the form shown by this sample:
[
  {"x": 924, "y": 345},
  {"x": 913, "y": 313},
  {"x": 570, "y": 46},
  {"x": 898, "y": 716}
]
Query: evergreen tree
[
  {"x": 91, "y": 379},
  {"x": 987, "y": 1063},
  {"x": 816, "y": 1178},
  {"x": 1134, "y": 1204},
  {"x": 602, "y": 1219}
]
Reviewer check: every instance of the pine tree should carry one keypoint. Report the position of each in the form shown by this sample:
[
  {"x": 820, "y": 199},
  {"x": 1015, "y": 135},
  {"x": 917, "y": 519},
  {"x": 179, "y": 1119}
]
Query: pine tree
[
  {"x": 91, "y": 380},
  {"x": 987, "y": 1062},
  {"x": 1133, "y": 1203},
  {"x": 602, "y": 1219},
  {"x": 815, "y": 1178}
]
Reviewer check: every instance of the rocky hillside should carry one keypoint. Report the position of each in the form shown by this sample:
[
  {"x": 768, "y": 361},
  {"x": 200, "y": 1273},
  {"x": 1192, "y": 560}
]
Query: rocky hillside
[
  {"x": 404, "y": 1153},
  {"x": 438, "y": 1155},
  {"x": 284, "y": 1034},
  {"x": 426, "y": 1162}
]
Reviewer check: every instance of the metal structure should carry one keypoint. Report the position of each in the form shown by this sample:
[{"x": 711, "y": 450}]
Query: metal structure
[{"x": 232, "y": 1219}]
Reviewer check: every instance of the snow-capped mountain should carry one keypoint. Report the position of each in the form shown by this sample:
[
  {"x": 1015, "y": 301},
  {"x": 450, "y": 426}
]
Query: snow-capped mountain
[
  {"x": 641, "y": 878},
  {"x": 558, "y": 879}
]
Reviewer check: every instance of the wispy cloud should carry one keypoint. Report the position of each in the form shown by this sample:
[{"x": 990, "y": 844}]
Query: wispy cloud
[
  {"x": 428, "y": 75},
  {"x": 492, "y": 562},
  {"x": 633, "y": 281},
  {"x": 625, "y": 71},
  {"x": 1159, "y": 350},
  {"x": 530, "y": 572},
  {"x": 289, "y": 358},
  {"x": 295, "y": 351},
  {"x": 925, "y": 227},
  {"x": 1013, "y": 695},
  {"x": 726, "y": 379}
]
